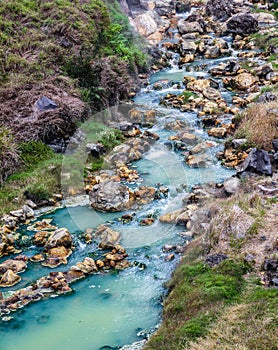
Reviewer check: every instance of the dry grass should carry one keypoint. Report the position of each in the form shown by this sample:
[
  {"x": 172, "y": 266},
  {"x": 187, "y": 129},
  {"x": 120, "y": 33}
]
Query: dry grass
[
  {"x": 259, "y": 125},
  {"x": 243, "y": 327}
]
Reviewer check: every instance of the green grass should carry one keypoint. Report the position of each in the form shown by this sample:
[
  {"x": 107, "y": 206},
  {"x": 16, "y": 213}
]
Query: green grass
[{"x": 197, "y": 297}]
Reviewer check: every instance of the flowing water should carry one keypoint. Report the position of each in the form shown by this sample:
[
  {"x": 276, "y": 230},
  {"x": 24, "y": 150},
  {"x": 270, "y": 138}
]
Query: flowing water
[{"x": 112, "y": 309}]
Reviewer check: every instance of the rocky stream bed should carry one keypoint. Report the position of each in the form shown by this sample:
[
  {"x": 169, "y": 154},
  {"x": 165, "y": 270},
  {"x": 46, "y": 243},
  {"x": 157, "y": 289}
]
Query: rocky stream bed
[{"x": 112, "y": 249}]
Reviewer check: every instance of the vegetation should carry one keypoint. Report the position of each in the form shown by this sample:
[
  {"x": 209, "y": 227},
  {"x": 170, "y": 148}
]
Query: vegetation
[
  {"x": 68, "y": 51},
  {"x": 253, "y": 124},
  {"x": 198, "y": 295}
]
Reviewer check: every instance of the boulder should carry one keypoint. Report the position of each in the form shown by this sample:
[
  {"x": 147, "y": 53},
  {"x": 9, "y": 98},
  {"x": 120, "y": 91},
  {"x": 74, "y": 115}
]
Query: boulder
[
  {"x": 15, "y": 265},
  {"x": 231, "y": 185},
  {"x": 218, "y": 132},
  {"x": 57, "y": 256},
  {"x": 145, "y": 24},
  {"x": 187, "y": 47},
  {"x": 108, "y": 237},
  {"x": 198, "y": 85},
  {"x": 243, "y": 81},
  {"x": 242, "y": 24},
  {"x": 41, "y": 237},
  {"x": 187, "y": 138},
  {"x": 198, "y": 161},
  {"x": 60, "y": 237},
  {"x": 172, "y": 217},
  {"x": 258, "y": 161},
  {"x": 189, "y": 27},
  {"x": 9, "y": 279},
  {"x": 220, "y": 10},
  {"x": 109, "y": 196},
  {"x": 212, "y": 94}
]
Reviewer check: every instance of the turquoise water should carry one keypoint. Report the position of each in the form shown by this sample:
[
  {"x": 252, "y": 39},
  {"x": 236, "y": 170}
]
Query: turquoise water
[{"x": 111, "y": 309}]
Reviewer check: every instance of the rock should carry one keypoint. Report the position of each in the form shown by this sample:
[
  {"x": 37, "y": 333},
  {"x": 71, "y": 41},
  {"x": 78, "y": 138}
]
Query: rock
[
  {"x": 169, "y": 257},
  {"x": 242, "y": 24},
  {"x": 189, "y": 27},
  {"x": 212, "y": 94},
  {"x": 178, "y": 217},
  {"x": 231, "y": 185},
  {"x": 198, "y": 161},
  {"x": 146, "y": 24},
  {"x": 198, "y": 85},
  {"x": 95, "y": 149},
  {"x": 263, "y": 70},
  {"x": 87, "y": 266},
  {"x": 57, "y": 256},
  {"x": 9, "y": 279},
  {"x": 258, "y": 161},
  {"x": 110, "y": 196},
  {"x": 60, "y": 237},
  {"x": 41, "y": 237},
  {"x": 169, "y": 248},
  {"x": 109, "y": 238},
  {"x": 202, "y": 147},
  {"x": 183, "y": 6},
  {"x": 187, "y": 47},
  {"x": 243, "y": 81},
  {"x": 220, "y": 10},
  {"x": 275, "y": 145},
  {"x": 37, "y": 258},
  {"x": 236, "y": 143},
  {"x": 212, "y": 52},
  {"x": 218, "y": 132},
  {"x": 187, "y": 138},
  {"x": 216, "y": 259},
  {"x": 186, "y": 59},
  {"x": 15, "y": 265},
  {"x": 146, "y": 222},
  {"x": 46, "y": 104},
  {"x": 267, "y": 97}
]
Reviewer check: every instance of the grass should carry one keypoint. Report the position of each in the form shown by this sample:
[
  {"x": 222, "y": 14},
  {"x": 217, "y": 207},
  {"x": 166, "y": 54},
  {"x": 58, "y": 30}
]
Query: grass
[
  {"x": 258, "y": 125},
  {"x": 250, "y": 324},
  {"x": 41, "y": 168},
  {"x": 197, "y": 297}
]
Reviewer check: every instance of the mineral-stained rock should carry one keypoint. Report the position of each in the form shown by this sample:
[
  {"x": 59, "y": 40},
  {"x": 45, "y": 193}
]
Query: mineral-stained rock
[
  {"x": 57, "y": 256},
  {"x": 109, "y": 238},
  {"x": 179, "y": 217},
  {"x": 110, "y": 196},
  {"x": 60, "y": 237},
  {"x": 9, "y": 279},
  {"x": 243, "y": 81},
  {"x": 40, "y": 238},
  {"x": 198, "y": 161},
  {"x": 15, "y": 265},
  {"x": 217, "y": 132}
]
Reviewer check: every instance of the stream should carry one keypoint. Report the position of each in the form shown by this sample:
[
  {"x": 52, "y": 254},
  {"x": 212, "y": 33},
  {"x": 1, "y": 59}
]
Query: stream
[{"x": 107, "y": 311}]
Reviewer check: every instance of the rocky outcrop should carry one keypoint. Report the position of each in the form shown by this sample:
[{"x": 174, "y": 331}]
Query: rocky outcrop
[{"x": 242, "y": 24}]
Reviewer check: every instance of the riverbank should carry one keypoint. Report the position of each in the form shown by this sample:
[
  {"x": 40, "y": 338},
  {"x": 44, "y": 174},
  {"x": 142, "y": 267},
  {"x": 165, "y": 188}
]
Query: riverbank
[{"x": 168, "y": 153}]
